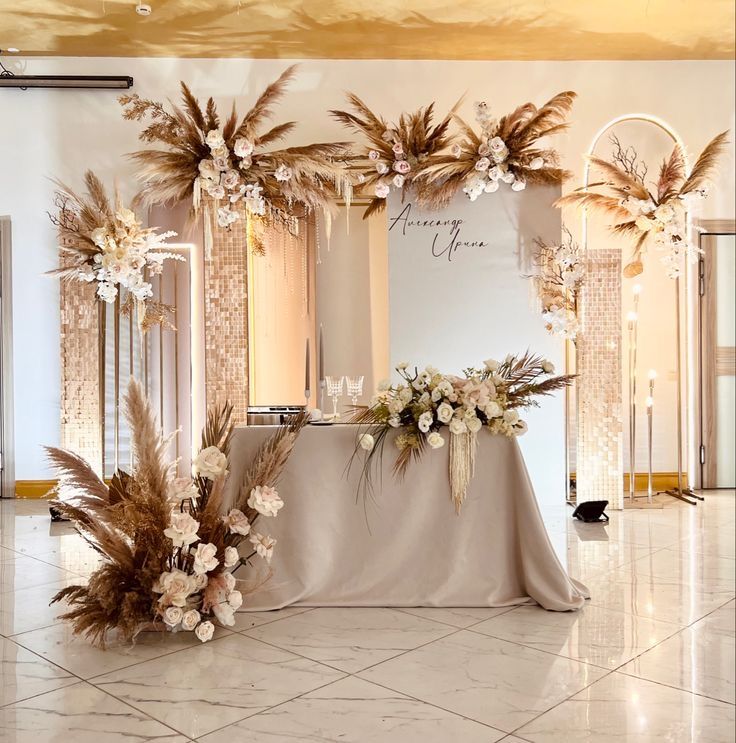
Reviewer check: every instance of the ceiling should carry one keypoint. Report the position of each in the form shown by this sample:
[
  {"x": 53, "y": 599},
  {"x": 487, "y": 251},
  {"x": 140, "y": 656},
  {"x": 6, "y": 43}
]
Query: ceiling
[{"x": 374, "y": 29}]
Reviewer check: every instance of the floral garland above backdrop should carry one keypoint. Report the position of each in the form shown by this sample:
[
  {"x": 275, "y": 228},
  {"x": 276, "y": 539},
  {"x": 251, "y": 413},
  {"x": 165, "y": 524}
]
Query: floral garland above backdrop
[
  {"x": 640, "y": 213},
  {"x": 437, "y": 163},
  {"x": 220, "y": 165},
  {"x": 427, "y": 401},
  {"x": 102, "y": 242},
  {"x": 168, "y": 553}
]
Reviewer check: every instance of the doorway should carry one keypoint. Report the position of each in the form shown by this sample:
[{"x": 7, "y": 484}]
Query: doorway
[{"x": 717, "y": 354}]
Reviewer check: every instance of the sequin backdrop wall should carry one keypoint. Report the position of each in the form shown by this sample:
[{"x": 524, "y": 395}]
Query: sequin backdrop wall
[
  {"x": 80, "y": 371},
  {"x": 599, "y": 388},
  {"x": 226, "y": 318}
]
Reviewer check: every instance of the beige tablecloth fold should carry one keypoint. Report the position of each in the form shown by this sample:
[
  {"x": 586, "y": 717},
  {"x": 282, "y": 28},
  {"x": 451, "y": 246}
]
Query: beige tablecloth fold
[{"x": 406, "y": 547}]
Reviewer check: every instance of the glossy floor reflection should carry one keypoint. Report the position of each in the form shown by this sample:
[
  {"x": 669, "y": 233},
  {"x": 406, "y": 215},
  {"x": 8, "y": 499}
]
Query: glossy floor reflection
[{"x": 651, "y": 657}]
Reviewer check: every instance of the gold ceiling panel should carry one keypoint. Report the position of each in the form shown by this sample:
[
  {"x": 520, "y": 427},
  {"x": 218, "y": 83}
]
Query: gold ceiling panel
[{"x": 374, "y": 29}]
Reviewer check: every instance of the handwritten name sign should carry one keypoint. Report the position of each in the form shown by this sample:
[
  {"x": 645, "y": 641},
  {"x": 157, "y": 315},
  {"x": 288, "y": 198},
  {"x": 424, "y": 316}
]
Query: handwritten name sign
[{"x": 444, "y": 235}]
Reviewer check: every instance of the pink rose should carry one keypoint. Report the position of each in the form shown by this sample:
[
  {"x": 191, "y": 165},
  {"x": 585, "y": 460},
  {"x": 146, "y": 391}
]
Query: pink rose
[
  {"x": 374, "y": 154},
  {"x": 402, "y": 166},
  {"x": 398, "y": 149},
  {"x": 381, "y": 190}
]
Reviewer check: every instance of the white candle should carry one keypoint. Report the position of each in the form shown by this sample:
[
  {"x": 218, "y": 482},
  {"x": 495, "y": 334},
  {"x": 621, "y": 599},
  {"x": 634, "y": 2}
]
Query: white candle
[
  {"x": 306, "y": 373},
  {"x": 321, "y": 355}
]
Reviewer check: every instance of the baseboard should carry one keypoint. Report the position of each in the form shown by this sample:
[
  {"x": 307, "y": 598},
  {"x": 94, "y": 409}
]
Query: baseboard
[
  {"x": 660, "y": 480},
  {"x": 33, "y": 488}
]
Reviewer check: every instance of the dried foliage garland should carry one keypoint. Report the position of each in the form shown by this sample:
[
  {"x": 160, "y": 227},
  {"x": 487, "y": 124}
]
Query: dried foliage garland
[
  {"x": 436, "y": 162},
  {"x": 394, "y": 155},
  {"x": 101, "y": 241},
  {"x": 223, "y": 164},
  {"x": 639, "y": 212},
  {"x": 168, "y": 552}
]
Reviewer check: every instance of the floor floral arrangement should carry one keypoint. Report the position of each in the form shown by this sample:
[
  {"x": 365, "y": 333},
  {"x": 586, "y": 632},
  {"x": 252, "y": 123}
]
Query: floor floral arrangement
[
  {"x": 103, "y": 242},
  {"x": 427, "y": 402},
  {"x": 168, "y": 552},
  {"x": 640, "y": 213}
]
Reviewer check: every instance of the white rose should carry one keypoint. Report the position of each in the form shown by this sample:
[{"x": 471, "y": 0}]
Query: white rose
[
  {"x": 183, "y": 529},
  {"x": 366, "y": 442},
  {"x": 518, "y": 185},
  {"x": 493, "y": 410},
  {"x": 425, "y": 422},
  {"x": 190, "y": 620},
  {"x": 548, "y": 367},
  {"x": 232, "y": 557},
  {"x": 243, "y": 147},
  {"x": 644, "y": 223},
  {"x": 511, "y": 417},
  {"x": 283, "y": 173},
  {"x": 210, "y": 463},
  {"x": 491, "y": 364},
  {"x": 457, "y": 425},
  {"x": 205, "y": 631},
  {"x": 405, "y": 395},
  {"x": 382, "y": 169},
  {"x": 381, "y": 190},
  {"x": 230, "y": 179},
  {"x": 200, "y": 582},
  {"x": 435, "y": 440},
  {"x": 181, "y": 489},
  {"x": 99, "y": 236},
  {"x": 175, "y": 586},
  {"x": 445, "y": 413},
  {"x": 482, "y": 164},
  {"x": 398, "y": 180},
  {"x": 263, "y": 545},
  {"x": 205, "y": 558},
  {"x": 394, "y": 421},
  {"x": 225, "y": 614},
  {"x": 235, "y": 599},
  {"x": 265, "y": 500},
  {"x": 536, "y": 163},
  {"x": 395, "y": 406},
  {"x": 436, "y": 394},
  {"x": 214, "y": 139},
  {"x": 474, "y": 424},
  {"x": 237, "y": 522},
  {"x": 172, "y": 616}
]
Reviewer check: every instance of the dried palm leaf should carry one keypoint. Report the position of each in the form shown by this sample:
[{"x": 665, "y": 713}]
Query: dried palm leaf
[{"x": 706, "y": 164}]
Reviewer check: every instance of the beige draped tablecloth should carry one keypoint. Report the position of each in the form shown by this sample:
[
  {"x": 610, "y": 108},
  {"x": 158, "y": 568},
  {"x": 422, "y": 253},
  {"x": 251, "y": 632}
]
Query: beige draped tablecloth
[{"x": 405, "y": 547}]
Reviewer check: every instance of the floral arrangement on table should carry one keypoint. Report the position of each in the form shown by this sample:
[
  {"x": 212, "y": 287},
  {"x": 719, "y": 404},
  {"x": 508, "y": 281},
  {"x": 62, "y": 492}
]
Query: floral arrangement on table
[
  {"x": 558, "y": 279},
  {"x": 103, "y": 242},
  {"x": 394, "y": 154},
  {"x": 168, "y": 552},
  {"x": 504, "y": 150},
  {"x": 428, "y": 401},
  {"x": 228, "y": 165},
  {"x": 640, "y": 213}
]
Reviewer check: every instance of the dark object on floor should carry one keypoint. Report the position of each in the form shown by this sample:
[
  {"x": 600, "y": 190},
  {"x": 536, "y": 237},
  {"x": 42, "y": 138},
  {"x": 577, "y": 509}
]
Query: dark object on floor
[
  {"x": 56, "y": 515},
  {"x": 591, "y": 511}
]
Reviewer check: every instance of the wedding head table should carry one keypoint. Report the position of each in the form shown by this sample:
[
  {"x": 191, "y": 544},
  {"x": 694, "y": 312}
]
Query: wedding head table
[{"x": 405, "y": 546}]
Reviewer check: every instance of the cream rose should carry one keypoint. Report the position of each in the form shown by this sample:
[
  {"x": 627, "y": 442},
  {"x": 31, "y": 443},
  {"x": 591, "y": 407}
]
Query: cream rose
[
  {"x": 183, "y": 529},
  {"x": 366, "y": 442},
  {"x": 243, "y": 147},
  {"x": 265, "y": 500},
  {"x": 172, "y": 616},
  {"x": 381, "y": 190},
  {"x": 175, "y": 586},
  {"x": 511, "y": 417},
  {"x": 548, "y": 367},
  {"x": 235, "y": 599},
  {"x": 181, "y": 489},
  {"x": 458, "y": 425},
  {"x": 210, "y": 463},
  {"x": 425, "y": 422},
  {"x": 190, "y": 620},
  {"x": 493, "y": 410},
  {"x": 474, "y": 424},
  {"x": 205, "y": 631},
  {"x": 444, "y": 413},
  {"x": 435, "y": 440},
  {"x": 232, "y": 557},
  {"x": 237, "y": 522},
  {"x": 214, "y": 139},
  {"x": 205, "y": 558},
  {"x": 263, "y": 545}
]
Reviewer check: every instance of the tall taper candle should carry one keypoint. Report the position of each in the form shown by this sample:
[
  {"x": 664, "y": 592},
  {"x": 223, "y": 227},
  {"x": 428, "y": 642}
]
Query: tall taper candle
[
  {"x": 321, "y": 354},
  {"x": 307, "y": 389}
]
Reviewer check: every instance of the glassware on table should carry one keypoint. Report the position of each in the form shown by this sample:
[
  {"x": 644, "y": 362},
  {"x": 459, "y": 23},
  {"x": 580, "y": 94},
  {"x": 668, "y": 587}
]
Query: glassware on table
[
  {"x": 355, "y": 388},
  {"x": 334, "y": 390}
]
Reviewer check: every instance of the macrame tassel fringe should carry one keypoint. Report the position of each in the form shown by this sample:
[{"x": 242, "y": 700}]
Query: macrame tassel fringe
[{"x": 462, "y": 465}]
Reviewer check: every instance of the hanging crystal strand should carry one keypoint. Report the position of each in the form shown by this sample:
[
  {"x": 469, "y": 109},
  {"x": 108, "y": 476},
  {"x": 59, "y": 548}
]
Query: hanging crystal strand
[
  {"x": 303, "y": 251},
  {"x": 316, "y": 236},
  {"x": 293, "y": 247},
  {"x": 283, "y": 253}
]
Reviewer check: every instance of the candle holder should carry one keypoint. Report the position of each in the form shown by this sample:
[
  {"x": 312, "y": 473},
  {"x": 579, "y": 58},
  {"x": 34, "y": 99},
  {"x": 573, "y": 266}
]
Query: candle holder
[{"x": 633, "y": 323}]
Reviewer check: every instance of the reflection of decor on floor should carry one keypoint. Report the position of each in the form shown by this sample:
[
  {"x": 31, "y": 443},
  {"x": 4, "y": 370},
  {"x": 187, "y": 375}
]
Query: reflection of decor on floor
[
  {"x": 436, "y": 163},
  {"x": 558, "y": 278},
  {"x": 225, "y": 165},
  {"x": 505, "y": 151},
  {"x": 103, "y": 243},
  {"x": 395, "y": 154},
  {"x": 427, "y": 401},
  {"x": 168, "y": 552},
  {"x": 639, "y": 213}
]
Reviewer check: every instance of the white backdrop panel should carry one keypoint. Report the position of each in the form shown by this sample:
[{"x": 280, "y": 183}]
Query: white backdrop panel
[{"x": 458, "y": 295}]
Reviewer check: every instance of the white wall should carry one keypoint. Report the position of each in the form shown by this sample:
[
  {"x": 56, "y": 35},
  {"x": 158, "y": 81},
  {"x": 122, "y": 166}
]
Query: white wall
[{"x": 60, "y": 133}]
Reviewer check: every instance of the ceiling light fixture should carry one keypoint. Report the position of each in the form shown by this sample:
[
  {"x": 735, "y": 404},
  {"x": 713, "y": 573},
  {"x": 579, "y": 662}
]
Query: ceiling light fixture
[
  {"x": 12, "y": 50},
  {"x": 143, "y": 9}
]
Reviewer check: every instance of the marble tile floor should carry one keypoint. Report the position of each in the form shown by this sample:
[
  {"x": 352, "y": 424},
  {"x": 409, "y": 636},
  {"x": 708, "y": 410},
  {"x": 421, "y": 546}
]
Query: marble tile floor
[{"x": 650, "y": 658}]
